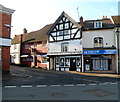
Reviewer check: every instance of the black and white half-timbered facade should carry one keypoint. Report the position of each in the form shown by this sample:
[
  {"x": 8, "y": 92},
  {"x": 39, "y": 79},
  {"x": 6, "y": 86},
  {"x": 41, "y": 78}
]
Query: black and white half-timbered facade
[{"x": 65, "y": 44}]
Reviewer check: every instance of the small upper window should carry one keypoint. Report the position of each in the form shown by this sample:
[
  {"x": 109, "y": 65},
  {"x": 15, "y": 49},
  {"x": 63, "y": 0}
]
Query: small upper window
[
  {"x": 61, "y": 27},
  {"x": 64, "y": 47},
  {"x": 66, "y": 25},
  {"x": 15, "y": 47},
  {"x": 98, "y": 24},
  {"x": 98, "y": 42}
]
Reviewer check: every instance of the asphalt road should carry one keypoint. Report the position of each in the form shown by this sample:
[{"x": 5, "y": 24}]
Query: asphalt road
[
  {"x": 30, "y": 76},
  {"x": 26, "y": 83}
]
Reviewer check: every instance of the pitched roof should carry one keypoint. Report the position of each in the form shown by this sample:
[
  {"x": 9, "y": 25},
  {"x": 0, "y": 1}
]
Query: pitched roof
[
  {"x": 116, "y": 20},
  {"x": 39, "y": 35},
  {"x": 89, "y": 24},
  {"x": 16, "y": 40},
  {"x": 63, "y": 14}
]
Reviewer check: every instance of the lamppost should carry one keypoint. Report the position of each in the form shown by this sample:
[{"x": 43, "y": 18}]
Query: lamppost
[{"x": 118, "y": 48}]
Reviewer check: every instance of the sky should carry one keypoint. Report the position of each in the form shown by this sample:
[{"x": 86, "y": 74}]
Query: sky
[{"x": 35, "y": 14}]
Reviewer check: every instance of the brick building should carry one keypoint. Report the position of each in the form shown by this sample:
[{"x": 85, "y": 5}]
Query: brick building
[
  {"x": 5, "y": 40},
  {"x": 30, "y": 49}
]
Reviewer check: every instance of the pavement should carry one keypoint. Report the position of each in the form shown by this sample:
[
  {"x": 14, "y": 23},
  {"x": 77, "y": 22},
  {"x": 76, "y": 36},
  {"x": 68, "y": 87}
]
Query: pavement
[{"x": 97, "y": 74}]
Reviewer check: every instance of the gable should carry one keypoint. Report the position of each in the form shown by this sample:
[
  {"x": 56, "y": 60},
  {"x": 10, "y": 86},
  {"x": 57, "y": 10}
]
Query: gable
[{"x": 65, "y": 28}]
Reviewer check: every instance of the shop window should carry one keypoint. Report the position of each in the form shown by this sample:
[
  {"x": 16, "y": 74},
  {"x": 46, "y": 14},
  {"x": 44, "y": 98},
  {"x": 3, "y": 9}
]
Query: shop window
[
  {"x": 98, "y": 42},
  {"x": 44, "y": 59},
  {"x": 64, "y": 47},
  {"x": 67, "y": 62},
  {"x": 57, "y": 61},
  {"x": 61, "y": 62}
]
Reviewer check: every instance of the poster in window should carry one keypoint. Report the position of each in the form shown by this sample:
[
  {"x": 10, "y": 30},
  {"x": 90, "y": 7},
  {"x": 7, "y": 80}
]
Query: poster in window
[
  {"x": 67, "y": 62},
  {"x": 62, "y": 62}
]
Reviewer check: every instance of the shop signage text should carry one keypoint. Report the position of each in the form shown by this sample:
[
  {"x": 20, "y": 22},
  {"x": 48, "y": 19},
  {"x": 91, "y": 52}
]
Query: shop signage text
[{"x": 88, "y": 52}]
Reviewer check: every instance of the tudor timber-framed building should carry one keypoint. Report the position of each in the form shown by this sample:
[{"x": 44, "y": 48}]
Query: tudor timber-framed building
[{"x": 65, "y": 44}]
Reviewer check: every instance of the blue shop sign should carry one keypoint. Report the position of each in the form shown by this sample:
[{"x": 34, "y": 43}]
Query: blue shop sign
[{"x": 88, "y": 52}]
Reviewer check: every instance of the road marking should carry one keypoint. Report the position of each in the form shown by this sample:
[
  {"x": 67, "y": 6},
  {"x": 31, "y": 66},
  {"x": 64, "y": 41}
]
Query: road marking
[
  {"x": 90, "y": 80},
  {"x": 41, "y": 86},
  {"x": 55, "y": 85},
  {"x": 80, "y": 84},
  {"x": 92, "y": 84},
  {"x": 105, "y": 83},
  {"x": 25, "y": 86},
  {"x": 68, "y": 85},
  {"x": 10, "y": 86},
  {"x": 114, "y": 83}
]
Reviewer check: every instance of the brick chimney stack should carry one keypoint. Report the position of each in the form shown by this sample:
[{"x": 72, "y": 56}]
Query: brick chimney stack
[
  {"x": 104, "y": 17},
  {"x": 24, "y": 30},
  {"x": 21, "y": 37},
  {"x": 81, "y": 21}
]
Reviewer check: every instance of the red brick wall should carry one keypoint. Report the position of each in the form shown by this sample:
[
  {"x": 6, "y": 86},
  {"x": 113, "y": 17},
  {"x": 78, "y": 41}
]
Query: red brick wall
[
  {"x": 6, "y": 59},
  {"x": 5, "y": 33},
  {"x": 6, "y": 19}
]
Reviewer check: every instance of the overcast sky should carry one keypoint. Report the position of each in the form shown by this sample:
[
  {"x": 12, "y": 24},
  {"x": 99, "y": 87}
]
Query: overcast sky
[{"x": 34, "y": 14}]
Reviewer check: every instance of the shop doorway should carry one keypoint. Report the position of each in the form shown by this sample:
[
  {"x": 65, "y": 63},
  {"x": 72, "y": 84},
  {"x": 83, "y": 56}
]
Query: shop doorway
[
  {"x": 72, "y": 64},
  {"x": 35, "y": 60}
]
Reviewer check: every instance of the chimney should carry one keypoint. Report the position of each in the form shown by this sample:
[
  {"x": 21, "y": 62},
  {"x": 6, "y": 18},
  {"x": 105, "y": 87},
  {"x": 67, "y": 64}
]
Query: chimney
[
  {"x": 21, "y": 37},
  {"x": 81, "y": 21},
  {"x": 24, "y": 30},
  {"x": 104, "y": 17}
]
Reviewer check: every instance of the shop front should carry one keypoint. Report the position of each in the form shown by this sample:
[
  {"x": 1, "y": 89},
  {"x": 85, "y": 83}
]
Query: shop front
[
  {"x": 68, "y": 63},
  {"x": 100, "y": 60}
]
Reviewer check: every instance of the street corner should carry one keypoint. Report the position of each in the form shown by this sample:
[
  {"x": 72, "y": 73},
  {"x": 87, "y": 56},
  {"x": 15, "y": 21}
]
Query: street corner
[{"x": 14, "y": 76}]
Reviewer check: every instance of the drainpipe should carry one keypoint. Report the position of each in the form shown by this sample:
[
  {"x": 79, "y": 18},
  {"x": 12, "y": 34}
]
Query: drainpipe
[{"x": 118, "y": 48}]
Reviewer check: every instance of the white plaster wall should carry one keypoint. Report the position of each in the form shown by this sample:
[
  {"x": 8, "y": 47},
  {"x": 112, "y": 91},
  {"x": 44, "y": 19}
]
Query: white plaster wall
[
  {"x": 15, "y": 52},
  {"x": 73, "y": 44},
  {"x": 107, "y": 35}
]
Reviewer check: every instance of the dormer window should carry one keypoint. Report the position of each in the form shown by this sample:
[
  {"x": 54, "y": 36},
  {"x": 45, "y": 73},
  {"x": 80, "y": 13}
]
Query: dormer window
[{"x": 98, "y": 24}]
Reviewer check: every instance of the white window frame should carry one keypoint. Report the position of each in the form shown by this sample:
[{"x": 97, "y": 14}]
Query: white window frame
[
  {"x": 98, "y": 42},
  {"x": 98, "y": 24},
  {"x": 64, "y": 47}
]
